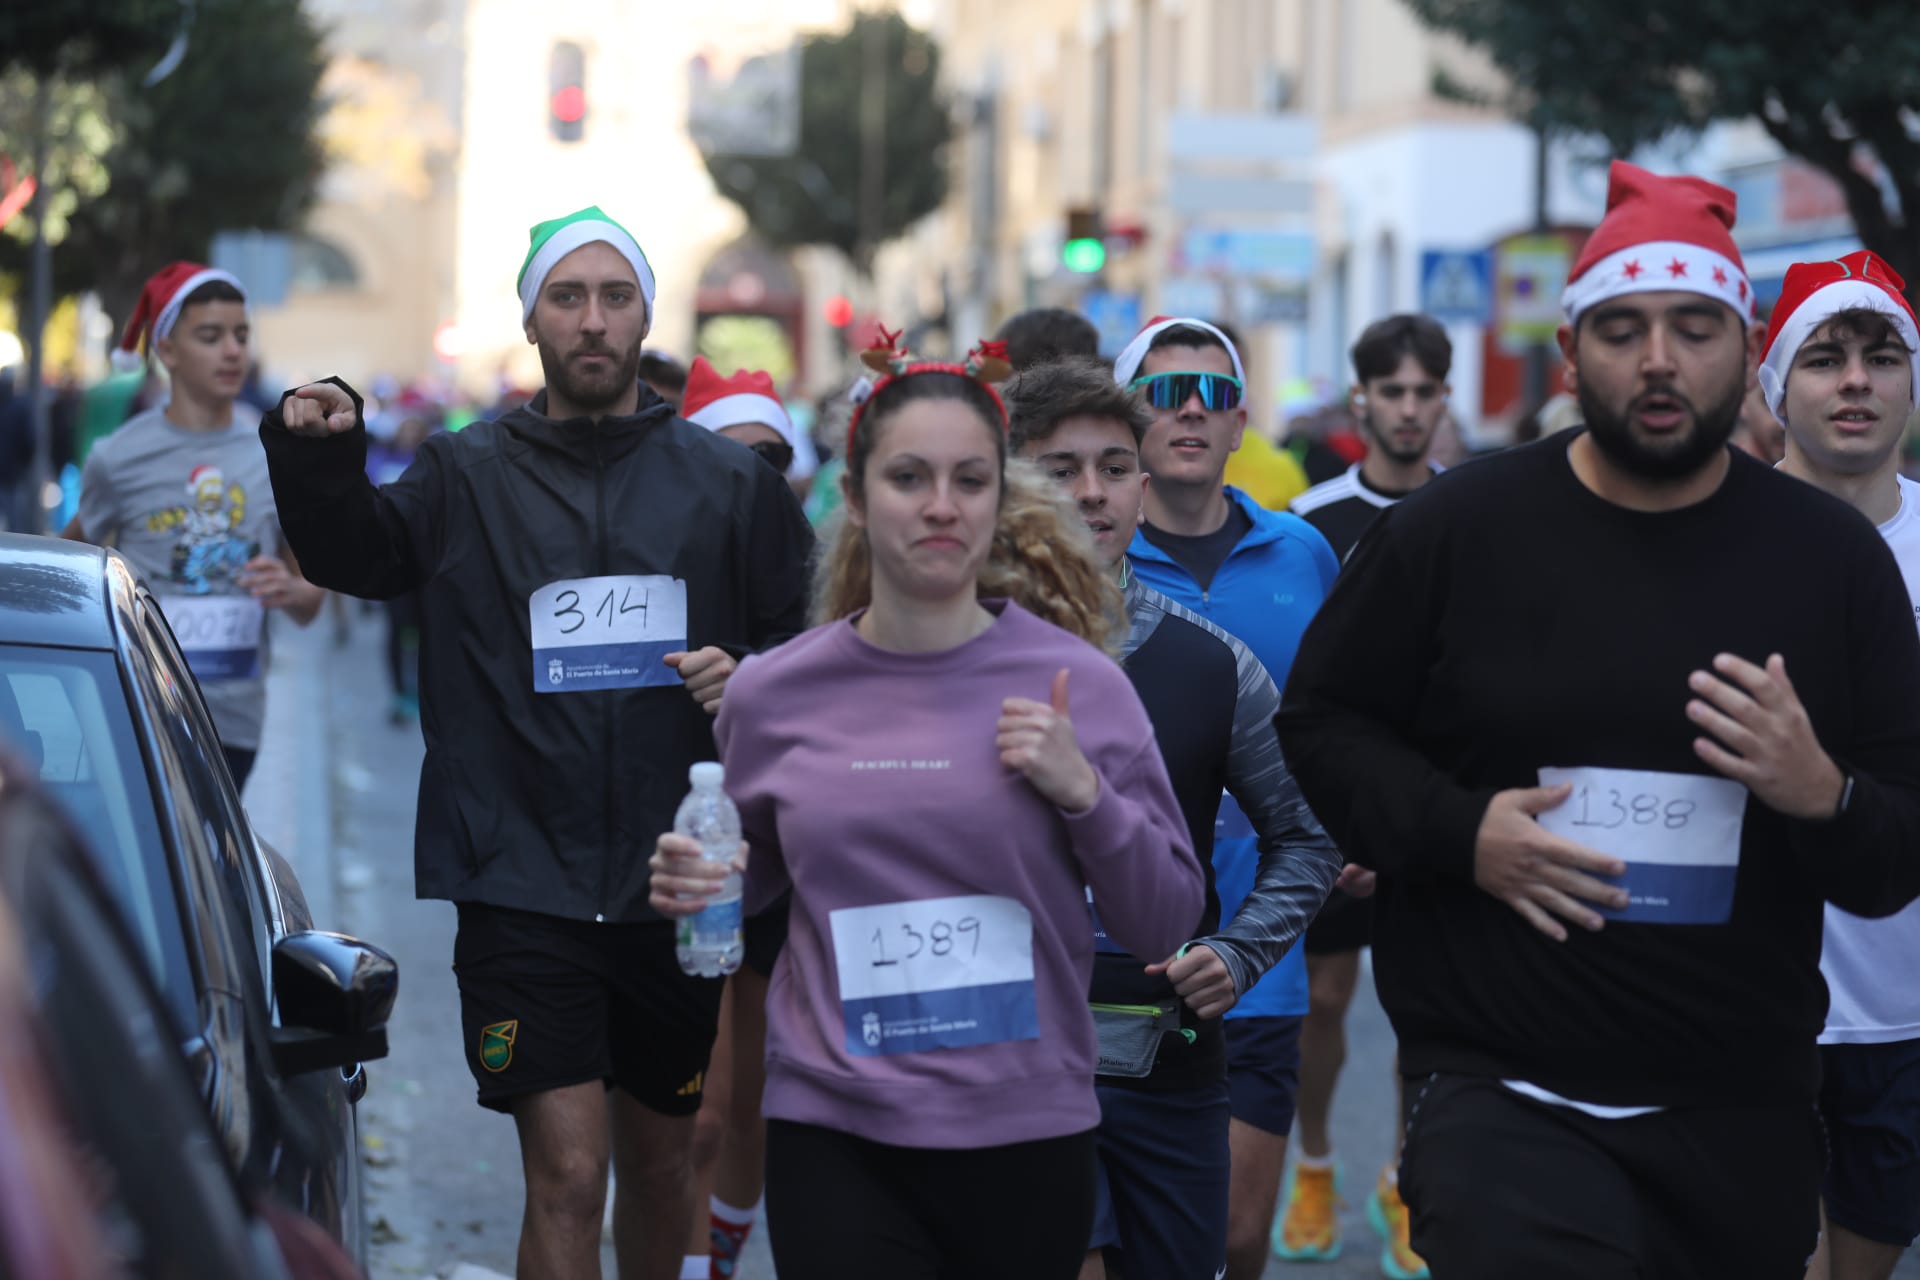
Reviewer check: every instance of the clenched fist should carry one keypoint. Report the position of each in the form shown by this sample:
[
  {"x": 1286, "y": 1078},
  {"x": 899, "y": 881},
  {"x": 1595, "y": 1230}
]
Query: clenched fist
[{"x": 318, "y": 409}]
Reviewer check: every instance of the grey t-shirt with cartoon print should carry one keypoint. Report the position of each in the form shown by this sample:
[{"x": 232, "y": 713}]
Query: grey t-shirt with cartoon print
[{"x": 188, "y": 509}]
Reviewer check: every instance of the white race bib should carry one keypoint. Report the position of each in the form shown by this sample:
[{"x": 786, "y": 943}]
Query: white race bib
[
  {"x": 220, "y": 635},
  {"x": 1678, "y": 833},
  {"x": 607, "y": 633},
  {"x": 940, "y": 973}
]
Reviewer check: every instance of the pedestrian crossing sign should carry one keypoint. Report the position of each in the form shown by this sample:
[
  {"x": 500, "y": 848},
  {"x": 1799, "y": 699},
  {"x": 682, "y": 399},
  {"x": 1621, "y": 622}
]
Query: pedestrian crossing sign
[{"x": 1456, "y": 285}]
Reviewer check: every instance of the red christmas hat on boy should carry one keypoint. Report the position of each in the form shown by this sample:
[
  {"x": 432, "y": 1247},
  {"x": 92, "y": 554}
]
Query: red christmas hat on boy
[
  {"x": 1660, "y": 233},
  {"x": 1135, "y": 352},
  {"x": 714, "y": 402},
  {"x": 158, "y": 310},
  {"x": 1814, "y": 293}
]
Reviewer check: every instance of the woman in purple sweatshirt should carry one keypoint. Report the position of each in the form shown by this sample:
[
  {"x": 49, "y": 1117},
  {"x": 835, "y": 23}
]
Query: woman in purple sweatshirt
[{"x": 943, "y": 778}]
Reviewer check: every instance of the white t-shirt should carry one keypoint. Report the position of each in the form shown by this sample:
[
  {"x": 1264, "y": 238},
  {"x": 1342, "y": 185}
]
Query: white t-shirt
[{"x": 1871, "y": 965}]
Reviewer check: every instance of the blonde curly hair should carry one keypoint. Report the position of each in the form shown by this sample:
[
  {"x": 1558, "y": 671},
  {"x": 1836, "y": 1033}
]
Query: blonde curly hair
[{"x": 1042, "y": 556}]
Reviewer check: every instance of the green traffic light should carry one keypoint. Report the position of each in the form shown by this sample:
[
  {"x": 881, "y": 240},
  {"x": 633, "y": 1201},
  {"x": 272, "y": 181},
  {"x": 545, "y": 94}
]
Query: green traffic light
[{"x": 1084, "y": 255}]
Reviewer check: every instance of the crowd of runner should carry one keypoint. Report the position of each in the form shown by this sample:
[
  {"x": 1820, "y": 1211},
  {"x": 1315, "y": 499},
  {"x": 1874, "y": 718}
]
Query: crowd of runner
[{"x": 1074, "y": 777}]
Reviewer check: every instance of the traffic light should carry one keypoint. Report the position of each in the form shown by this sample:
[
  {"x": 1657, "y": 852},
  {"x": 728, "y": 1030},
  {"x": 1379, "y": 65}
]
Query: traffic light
[
  {"x": 567, "y": 92},
  {"x": 1085, "y": 250}
]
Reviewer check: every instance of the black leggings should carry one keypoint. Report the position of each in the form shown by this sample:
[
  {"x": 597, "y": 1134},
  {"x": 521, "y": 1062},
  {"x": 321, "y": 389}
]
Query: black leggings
[{"x": 840, "y": 1206}]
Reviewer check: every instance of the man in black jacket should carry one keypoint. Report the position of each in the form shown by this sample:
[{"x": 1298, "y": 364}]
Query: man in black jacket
[
  {"x": 1612, "y": 715},
  {"x": 590, "y": 568}
]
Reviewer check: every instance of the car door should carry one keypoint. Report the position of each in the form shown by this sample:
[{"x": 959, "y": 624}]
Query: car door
[{"x": 303, "y": 1130}]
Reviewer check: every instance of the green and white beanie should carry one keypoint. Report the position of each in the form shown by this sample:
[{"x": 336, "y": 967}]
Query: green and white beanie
[{"x": 555, "y": 239}]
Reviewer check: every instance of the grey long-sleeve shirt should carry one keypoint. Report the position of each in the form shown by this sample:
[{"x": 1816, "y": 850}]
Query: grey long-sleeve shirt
[{"x": 1298, "y": 862}]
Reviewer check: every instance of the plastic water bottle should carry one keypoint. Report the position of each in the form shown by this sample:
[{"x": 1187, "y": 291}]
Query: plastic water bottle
[{"x": 709, "y": 944}]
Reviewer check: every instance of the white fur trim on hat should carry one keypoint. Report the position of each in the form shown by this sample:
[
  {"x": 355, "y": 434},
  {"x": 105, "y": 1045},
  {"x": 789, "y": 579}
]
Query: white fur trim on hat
[
  {"x": 1128, "y": 365},
  {"x": 571, "y": 237},
  {"x": 170, "y": 314},
  {"x": 1660, "y": 265},
  {"x": 1821, "y": 306},
  {"x": 731, "y": 411}
]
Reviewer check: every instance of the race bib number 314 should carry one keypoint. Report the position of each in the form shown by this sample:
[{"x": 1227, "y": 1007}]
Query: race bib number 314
[
  {"x": 1678, "y": 833},
  {"x": 941, "y": 973},
  {"x": 607, "y": 633}
]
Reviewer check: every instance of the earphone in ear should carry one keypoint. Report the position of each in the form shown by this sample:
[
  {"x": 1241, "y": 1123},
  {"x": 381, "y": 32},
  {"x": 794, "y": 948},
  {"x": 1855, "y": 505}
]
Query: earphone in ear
[{"x": 1360, "y": 400}]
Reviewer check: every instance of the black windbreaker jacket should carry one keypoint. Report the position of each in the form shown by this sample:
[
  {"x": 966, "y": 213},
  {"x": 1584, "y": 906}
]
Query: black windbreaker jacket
[{"x": 530, "y": 796}]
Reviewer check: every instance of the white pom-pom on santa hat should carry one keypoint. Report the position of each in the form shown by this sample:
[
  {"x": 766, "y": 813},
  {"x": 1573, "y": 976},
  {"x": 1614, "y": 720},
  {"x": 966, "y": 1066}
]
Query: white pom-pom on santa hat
[
  {"x": 1135, "y": 353},
  {"x": 1660, "y": 233},
  {"x": 713, "y": 402},
  {"x": 158, "y": 309}
]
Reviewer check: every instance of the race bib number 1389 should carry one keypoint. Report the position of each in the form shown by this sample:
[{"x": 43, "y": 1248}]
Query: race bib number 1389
[{"x": 938, "y": 973}]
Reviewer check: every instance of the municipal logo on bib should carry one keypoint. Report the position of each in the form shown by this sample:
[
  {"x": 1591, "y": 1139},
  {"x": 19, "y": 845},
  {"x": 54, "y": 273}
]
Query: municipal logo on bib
[
  {"x": 496, "y": 1044},
  {"x": 556, "y": 672},
  {"x": 870, "y": 1029}
]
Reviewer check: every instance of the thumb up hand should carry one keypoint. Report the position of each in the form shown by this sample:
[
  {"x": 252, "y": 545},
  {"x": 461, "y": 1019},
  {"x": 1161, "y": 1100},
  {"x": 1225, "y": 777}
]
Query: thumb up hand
[{"x": 1037, "y": 739}]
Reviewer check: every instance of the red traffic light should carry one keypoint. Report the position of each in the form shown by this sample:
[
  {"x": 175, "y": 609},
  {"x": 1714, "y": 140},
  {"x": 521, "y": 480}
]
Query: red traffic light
[
  {"x": 569, "y": 104},
  {"x": 837, "y": 311}
]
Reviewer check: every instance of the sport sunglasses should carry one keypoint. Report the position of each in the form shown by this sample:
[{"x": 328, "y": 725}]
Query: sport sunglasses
[{"x": 1217, "y": 391}]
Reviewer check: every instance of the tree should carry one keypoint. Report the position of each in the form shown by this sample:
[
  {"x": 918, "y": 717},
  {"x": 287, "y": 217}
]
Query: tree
[
  {"x": 813, "y": 197},
  {"x": 227, "y": 140},
  {"x": 81, "y": 36},
  {"x": 1837, "y": 84}
]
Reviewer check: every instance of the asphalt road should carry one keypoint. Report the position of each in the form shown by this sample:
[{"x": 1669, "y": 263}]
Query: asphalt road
[{"x": 335, "y": 790}]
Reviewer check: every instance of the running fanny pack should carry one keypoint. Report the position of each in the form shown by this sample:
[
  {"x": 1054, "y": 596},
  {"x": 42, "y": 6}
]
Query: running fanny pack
[{"x": 1128, "y": 1037}]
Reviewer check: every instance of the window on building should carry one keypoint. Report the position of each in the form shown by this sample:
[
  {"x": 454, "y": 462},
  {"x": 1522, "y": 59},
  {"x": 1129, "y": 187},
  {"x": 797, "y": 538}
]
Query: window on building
[{"x": 319, "y": 264}]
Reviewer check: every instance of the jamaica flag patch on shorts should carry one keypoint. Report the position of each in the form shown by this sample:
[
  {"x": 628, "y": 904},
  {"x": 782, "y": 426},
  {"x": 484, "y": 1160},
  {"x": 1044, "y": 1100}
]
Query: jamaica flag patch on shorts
[{"x": 496, "y": 1044}]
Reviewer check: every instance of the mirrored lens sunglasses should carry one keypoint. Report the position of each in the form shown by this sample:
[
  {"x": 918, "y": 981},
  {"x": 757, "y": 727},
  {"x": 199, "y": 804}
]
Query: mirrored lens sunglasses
[{"x": 1217, "y": 391}]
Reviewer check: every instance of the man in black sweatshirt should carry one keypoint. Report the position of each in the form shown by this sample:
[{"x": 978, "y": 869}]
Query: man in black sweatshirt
[{"x": 1629, "y": 680}]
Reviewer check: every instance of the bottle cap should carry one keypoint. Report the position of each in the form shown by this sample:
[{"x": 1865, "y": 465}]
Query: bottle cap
[{"x": 708, "y": 773}]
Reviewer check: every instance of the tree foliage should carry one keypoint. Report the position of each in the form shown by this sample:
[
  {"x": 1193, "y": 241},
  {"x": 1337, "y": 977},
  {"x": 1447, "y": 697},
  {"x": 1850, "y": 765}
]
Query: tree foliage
[
  {"x": 812, "y": 197},
  {"x": 226, "y": 141},
  {"x": 84, "y": 36},
  {"x": 1837, "y": 84}
]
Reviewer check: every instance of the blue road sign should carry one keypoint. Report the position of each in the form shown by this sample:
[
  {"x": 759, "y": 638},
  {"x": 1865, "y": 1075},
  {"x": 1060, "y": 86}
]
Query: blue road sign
[{"x": 1456, "y": 286}]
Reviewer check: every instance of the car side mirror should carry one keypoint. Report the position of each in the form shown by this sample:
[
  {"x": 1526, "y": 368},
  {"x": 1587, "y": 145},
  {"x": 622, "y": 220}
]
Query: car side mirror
[{"x": 335, "y": 995}]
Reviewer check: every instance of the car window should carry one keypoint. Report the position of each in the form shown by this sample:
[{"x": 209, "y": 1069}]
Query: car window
[
  {"x": 64, "y": 714},
  {"x": 223, "y": 818},
  {"x": 217, "y": 874}
]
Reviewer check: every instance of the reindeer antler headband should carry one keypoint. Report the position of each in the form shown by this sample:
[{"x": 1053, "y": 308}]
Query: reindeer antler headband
[{"x": 985, "y": 364}]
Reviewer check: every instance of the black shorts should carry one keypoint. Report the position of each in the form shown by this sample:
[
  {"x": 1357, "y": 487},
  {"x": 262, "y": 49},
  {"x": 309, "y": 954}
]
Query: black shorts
[
  {"x": 1501, "y": 1185},
  {"x": 765, "y": 934},
  {"x": 1870, "y": 1100},
  {"x": 1345, "y": 923},
  {"x": 1263, "y": 1071},
  {"x": 547, "y": 1002}
]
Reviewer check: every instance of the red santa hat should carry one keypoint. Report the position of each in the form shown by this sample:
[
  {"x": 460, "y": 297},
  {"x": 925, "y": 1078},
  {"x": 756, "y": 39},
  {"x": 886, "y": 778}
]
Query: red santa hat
[
  {"x": 1660, "y": 234},
  {"x": 1814, "y": 293},
  {"x": 158, "y": 310},
  {"x": 714, "y": 402},
  {"x": 1127, "y": 367}
]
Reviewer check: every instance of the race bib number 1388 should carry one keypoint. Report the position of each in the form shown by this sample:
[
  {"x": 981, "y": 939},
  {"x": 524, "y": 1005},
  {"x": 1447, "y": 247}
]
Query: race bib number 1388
[{"x": 1678, "y": 833}]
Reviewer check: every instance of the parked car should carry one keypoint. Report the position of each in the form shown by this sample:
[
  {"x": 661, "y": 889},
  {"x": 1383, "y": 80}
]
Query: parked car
[
  {"x": 109, "y": 1163},
  {"x": 97, "y": 699}
]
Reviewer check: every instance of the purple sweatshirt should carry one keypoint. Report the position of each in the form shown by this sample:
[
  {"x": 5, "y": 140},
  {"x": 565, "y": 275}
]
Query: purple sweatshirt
[{"x": 933, "y": 989}]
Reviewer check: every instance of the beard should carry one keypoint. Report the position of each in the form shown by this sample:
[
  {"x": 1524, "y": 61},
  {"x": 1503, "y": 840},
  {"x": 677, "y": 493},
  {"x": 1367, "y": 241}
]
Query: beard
[
  {"x": 1677, "y": 459},
  {"x": 1383, "y": 441},
  {"x": 590, "y": 392}
]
